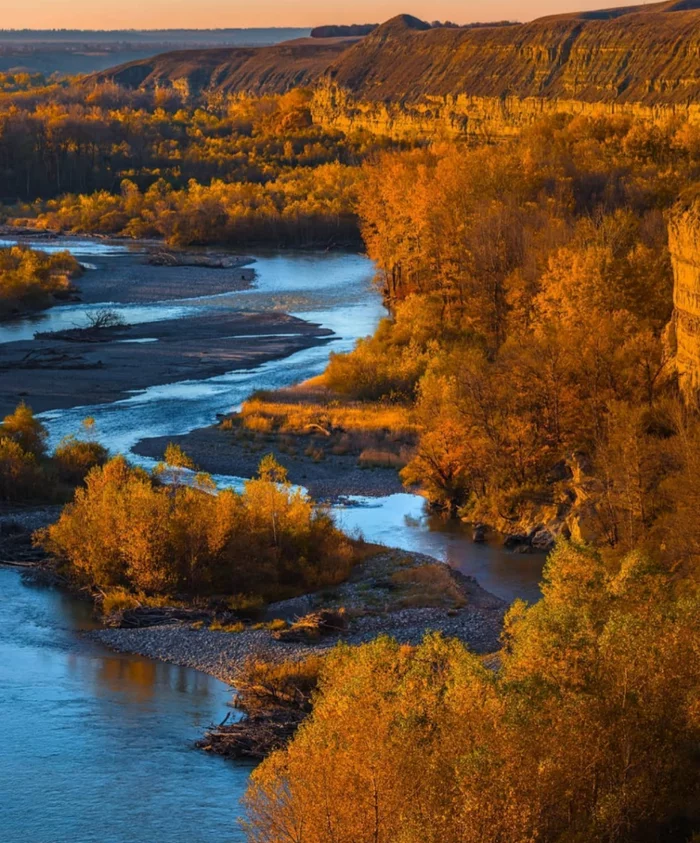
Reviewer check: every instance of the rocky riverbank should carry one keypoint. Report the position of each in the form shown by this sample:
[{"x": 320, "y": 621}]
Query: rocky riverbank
[
  {"x": 17, "y": 524},
  {"x": 392, "y": 593},
  {"x": 403, "y": 595},
  {"x": 220, "y": 654}
]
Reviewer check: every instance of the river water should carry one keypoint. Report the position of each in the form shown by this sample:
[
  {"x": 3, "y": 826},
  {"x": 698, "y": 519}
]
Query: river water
[{"x": 96, "y": 746}]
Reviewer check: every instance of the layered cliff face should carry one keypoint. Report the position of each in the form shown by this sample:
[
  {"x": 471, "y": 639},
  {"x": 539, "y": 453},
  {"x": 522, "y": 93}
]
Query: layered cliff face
[
  {"x": 406, "y": 77},
  {"x": 684, "y": 244},
  {"x": 403, "y": 78}
]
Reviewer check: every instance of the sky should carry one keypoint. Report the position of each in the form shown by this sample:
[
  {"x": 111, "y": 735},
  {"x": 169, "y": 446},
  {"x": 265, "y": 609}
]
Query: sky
[{"x": 202, "y": 14}]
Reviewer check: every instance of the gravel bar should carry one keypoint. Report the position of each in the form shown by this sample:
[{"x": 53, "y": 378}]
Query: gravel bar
[{"x": 221, "y": 654}]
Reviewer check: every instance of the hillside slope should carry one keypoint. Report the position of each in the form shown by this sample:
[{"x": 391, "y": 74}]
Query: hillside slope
[
  {"x": 649, "y": 56},
  {"x": 406, "y": 77},
  {"x": 263, "y": 70}
]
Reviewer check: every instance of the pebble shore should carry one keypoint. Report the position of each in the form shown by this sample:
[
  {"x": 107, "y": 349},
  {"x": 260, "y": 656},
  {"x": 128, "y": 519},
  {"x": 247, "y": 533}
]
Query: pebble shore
[{"x": 221, "y": 654}]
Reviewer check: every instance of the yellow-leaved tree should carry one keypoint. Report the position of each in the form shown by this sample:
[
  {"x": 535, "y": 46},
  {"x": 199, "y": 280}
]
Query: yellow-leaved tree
[{"x": 587, "y": 731}]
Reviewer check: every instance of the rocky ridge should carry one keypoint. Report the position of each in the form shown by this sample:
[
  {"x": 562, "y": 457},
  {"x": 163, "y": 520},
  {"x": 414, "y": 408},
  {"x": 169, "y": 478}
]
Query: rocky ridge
[
  {"x": 491, "y": 82},
  {"x": 262, "y": 70},
  {"x": 406, "y": 78}
]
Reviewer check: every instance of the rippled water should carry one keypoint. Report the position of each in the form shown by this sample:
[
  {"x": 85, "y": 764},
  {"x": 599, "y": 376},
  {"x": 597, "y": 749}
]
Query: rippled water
[
  {"x": 76, "y": 316},
  {"x": 79, "y": 247}
]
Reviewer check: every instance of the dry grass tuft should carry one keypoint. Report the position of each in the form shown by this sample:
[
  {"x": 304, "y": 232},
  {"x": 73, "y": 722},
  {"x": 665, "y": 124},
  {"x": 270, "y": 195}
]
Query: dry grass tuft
[
  {"x": 428, "y": 585},
  {"x": 258, "y": 422},
  {"x": 273, "y": 625},
  {"x": 311, "y": 418},
  {"x": 375, "y": 458},
  {"x": 121, "y": 600},
  {"x": 264, "y": 684},
  {"x": 217, "y": 626}
]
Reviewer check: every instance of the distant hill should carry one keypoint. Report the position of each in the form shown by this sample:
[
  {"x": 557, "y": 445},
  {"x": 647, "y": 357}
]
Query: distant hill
[
  {"x": 646, "y": 55},
  {"x": 71, "y": 52},
  {"x": 354, "y": 30},
  {"x": 265, "y": 70},
  {"x": 407, "y": 75}
]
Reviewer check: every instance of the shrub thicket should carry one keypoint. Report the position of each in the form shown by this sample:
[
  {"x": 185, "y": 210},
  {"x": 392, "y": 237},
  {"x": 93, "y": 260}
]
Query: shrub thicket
[
  {"x": 588, "y": 731},
  {"x": 125, "y": 528},
  {"x": 31, "y": 279}
]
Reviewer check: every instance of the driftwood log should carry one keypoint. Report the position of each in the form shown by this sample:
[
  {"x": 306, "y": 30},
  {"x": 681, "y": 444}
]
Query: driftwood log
[
  {"x": 314, "y": 626},
  {"x": 147, "y": 616},
  {"x": 255, "y": 736}
]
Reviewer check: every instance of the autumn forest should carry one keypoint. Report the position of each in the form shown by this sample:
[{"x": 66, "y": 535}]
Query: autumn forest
[{"x": 534, "y": 378}]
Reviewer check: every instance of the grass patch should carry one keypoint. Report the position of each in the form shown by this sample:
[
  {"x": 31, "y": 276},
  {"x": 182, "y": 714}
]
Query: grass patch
[
  {"x": 428, "y": 586},
  {"x": 121, "y": 600},
  {"x": 264, "y": 684},
  {"x": 246, "y": 604},
  {"x": 323, "y": 418},
  {"x": 273, "y": 625},
  {"x": 217, "y": 626},
  {"x": 375, "y": 458}
]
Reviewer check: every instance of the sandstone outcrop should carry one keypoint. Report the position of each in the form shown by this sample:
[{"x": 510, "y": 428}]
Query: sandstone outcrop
[
  {"x": 684, "y": 244},
  {"x": 406, "y": 77},
  {"x": 491, "y": 82}
]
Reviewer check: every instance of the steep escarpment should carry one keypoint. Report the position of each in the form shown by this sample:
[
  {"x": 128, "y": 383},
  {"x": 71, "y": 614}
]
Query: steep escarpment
[
  {"x": 684, "y": 244},
  {"x": 404, "y": 78},
  {"x": 648, "y": 57},
  {"x": 265, "y": 70}
]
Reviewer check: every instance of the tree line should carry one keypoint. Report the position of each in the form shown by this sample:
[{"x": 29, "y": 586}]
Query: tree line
[
  {"x": 100, "y": 159},
  {"x": 531, "y": 290}
]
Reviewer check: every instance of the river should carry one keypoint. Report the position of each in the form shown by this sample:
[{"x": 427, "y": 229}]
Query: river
[{"x": 97, "y": 746}]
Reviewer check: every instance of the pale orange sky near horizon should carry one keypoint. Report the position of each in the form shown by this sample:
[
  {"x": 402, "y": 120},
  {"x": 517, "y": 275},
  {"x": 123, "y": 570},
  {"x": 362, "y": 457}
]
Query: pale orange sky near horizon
[{"x": 203, "y": 14}]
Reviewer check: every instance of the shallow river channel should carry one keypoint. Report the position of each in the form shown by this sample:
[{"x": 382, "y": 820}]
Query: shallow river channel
[{"x": 96, "y": 746}]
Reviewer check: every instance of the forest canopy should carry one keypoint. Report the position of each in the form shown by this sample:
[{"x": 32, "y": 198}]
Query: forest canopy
[
  {"x": 530, "y": 347},
  {"x": 226, "y": 169},
  {"x": 531, "y": 340},
  {"x": 33, "y": 280},
  {"x": 587, "y": 731},
  {"x": 532, "y": 292},
  {"x": 158, "y": 534}
]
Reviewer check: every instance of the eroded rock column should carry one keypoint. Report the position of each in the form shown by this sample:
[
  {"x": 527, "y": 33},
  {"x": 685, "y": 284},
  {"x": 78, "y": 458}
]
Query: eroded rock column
[{"x": 684, "y": 244}]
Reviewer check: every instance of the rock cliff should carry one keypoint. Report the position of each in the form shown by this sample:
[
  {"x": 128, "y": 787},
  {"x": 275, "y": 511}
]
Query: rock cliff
[
  {"x": 492, "y": 81},
  {"x": 406, "y": 77},
  {"x": 684, "y": 244}
]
